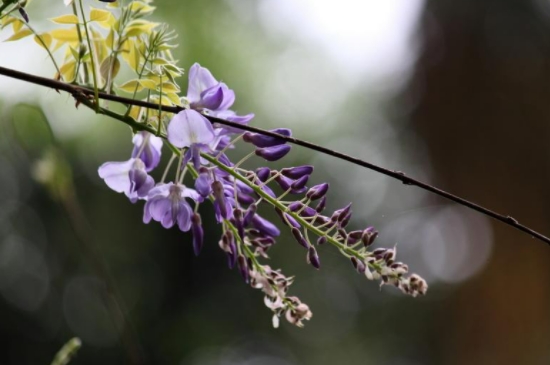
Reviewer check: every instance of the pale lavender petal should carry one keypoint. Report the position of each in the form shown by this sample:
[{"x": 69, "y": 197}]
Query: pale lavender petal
[
  {"x": 116, "y": 174},
  {"x": 168, "y": 220},
  {"x": 146, "y": 214},
  {"x": 189, "y": 127},
  {"x": 161, "y": 190},
  {"x": 158, "y": 207},
  {"x": 200, "y": 79},
  {"x": 191, "y": 193}
]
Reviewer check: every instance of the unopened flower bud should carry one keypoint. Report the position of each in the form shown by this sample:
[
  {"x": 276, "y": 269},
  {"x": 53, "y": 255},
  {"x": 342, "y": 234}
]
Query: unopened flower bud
[
  {"x": 250, "y": 211},
  {"x": 261, "y": 140},
  {"x": 273, "y": 153},
  {"x": 299, "y": 237},
  {"x": 313, "y": 257},
  {"x": 300, "y": 183},
  {"x": 265, "y": 226},
  {"x": 243, "y": 268},
  {"x": 358, "y": 265},
  {"x": 198, "y": 233},
  {"x": 369, "y": 235},
  {"x": 297, "y": 172},
  {"x": 263, "y": 173},
  {"x": 317, "y": 191},
  {"x": 322, "y": 204}
]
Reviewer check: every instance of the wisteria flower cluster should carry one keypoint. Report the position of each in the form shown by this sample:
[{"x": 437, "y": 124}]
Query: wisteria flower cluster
[{"x": 236, "y": 193}]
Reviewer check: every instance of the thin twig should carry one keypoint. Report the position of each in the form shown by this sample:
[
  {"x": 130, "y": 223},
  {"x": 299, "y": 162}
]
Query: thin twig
[{"x": 398, "y": 175}]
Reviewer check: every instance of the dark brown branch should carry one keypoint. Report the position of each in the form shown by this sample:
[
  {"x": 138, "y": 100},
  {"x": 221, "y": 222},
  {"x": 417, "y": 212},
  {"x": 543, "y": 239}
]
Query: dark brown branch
[{"x": 78, "y": 92}]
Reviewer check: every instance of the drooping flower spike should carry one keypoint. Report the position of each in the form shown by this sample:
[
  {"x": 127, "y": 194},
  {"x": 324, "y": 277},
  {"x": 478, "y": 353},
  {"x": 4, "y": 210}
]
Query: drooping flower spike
[{"x": 237, "y": 193}]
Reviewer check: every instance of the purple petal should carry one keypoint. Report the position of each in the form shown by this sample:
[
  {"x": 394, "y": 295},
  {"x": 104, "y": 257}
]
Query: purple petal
[
  {"x": 188, "y": 128},
  {"x": 184, "y": 216},
  {"x": 211, "y": 98},
  {"x": 216, "y": 98},
  {"x": 202, "y": 184},
  {"x": 159, "y": 207}
]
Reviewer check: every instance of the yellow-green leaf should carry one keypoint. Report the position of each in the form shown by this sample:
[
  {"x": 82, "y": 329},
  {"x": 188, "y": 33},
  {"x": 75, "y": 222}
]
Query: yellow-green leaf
[
  {"x": 109, "y": 23},
  {"x": 68, "y": 71},
  {"x": 65, "y": 35},
  {"x": 7, "y": 20},
  {"x": 46, "y": 38},
  {"x": 17, "y": 25},
  {"x": 130, "y": 86},
  {"x": 148, "y": 84},
  {"x": 160, "y": 61},
  {"x": 169, "y": 87},
  {"x": 174, "y": 98},
  {"x": 136, "y": 30},
  {"x": 18, "y": 35},
  {"x": 110, "y": 41},
  {"x": 66, "y": 19},
  {"x": 99, "y": 15},
  {"x": 138, "y": 6},
  {"x": 109, "y": 68}
]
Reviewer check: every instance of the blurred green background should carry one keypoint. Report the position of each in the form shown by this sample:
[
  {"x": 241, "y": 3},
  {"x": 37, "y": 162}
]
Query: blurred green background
[{"x": 453, "y": 93}]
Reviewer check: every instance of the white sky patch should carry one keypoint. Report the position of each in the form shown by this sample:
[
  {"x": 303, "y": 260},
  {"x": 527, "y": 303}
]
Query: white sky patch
[{"x": 372, "y": 38}]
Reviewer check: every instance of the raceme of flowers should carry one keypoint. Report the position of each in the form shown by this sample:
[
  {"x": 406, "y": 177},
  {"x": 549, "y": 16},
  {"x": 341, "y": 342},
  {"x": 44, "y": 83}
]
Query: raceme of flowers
[{"x": 236, "y": 193}]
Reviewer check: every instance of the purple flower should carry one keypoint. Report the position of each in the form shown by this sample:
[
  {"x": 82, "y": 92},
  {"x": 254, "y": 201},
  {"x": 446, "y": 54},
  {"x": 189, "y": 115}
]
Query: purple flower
[
  {"x": 148, "y": 147},
  {"x": 190, "y": 129},
  {"x": 166, "y": 204},
  {"x": 128, "y": 177},
  {"x": 205, "y": 92}
]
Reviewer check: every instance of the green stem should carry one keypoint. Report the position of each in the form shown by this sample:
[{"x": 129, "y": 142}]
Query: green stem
[
  {"x": 92, "y": 56},
  {"x": 79, "y": 33}
]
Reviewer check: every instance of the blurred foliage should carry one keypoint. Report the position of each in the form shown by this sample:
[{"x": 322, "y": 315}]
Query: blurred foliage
[{"x": 189, "y": 310}]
